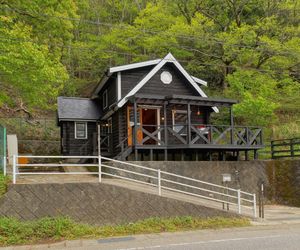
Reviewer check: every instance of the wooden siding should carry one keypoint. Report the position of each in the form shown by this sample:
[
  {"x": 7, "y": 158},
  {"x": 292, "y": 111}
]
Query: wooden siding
[
  {"x": 72, "y": 146},
  {"x": 115, "y": 132},
  {"x": 130, "y": 78},
  {"x": 111, "y": 87},
  {"x": 178, "y": 86}
]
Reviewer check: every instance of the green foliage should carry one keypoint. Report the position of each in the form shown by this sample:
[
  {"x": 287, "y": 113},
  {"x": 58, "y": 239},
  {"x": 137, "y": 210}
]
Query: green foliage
[
  {"x": 247, "y": 50},
  {"x": 13, "y": 231},
  {"x": 259, "y": 109},
  {"x": 31, "y": 73},
  {"x": 4, "y": 180},
  {"x": 256, "y": 92}
]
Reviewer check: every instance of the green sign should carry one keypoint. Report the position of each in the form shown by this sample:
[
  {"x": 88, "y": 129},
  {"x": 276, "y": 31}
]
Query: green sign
[{"x": 2, "y": 149}]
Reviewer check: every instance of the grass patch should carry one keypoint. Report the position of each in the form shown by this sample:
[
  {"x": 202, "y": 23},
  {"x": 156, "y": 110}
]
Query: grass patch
[
  {"x": 4, "y": 180},
  {"x": 15, "y": 232}
]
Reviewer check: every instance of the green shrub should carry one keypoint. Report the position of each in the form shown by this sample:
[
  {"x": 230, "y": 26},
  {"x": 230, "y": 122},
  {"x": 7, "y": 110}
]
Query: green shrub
[
  {"x": 13, "y": 231},
  {"x": 4, "y": 180}
]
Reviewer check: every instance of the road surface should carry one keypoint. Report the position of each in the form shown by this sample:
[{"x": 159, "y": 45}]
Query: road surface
[{"x": 275, "y": 237}]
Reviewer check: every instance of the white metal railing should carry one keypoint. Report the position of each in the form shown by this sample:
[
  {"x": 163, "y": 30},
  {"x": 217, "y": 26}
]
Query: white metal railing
[{"x": 162, "y": 180}]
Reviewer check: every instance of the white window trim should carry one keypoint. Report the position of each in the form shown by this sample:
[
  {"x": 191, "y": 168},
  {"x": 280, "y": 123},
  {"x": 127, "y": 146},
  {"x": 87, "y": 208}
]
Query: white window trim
[
  {"x": 119, "y": 87},
  {"x": 75, "y": 130},
  {"x": 105, "y": 105},
  {"x": 168, "y": 58}
]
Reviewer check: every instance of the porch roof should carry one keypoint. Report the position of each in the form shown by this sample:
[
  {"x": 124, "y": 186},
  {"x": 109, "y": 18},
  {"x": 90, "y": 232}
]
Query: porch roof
[{"x": 182, "y": 99}]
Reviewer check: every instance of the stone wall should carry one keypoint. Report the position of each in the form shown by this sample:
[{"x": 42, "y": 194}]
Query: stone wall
[{"x": 94, "y": 203}]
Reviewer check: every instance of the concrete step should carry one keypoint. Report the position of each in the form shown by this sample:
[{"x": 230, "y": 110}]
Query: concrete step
[{"x": 40, "y": 169}]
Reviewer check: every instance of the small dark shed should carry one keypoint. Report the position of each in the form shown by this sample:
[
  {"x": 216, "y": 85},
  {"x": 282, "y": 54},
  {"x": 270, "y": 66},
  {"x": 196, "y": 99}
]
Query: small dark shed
[{"x": 77, "y": 118}]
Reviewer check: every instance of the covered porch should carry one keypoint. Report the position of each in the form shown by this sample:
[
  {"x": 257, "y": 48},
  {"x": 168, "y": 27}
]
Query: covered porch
[{"x": 178, "y": 124}]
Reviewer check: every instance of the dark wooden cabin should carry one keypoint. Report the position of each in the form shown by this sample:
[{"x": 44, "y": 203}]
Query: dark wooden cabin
[{"x": 152, "y": 110}]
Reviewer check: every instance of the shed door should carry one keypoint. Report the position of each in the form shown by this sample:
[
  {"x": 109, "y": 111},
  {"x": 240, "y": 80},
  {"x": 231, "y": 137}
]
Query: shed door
[{"x": 130, "y": 124}]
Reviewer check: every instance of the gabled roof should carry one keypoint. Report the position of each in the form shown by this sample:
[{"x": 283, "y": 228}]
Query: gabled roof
[
  {"x": 134, "y": 66},
  {"x": 169, "y": 58},
  {"x": 131, "y": 66},
  {"x": 73, "y": 108}
]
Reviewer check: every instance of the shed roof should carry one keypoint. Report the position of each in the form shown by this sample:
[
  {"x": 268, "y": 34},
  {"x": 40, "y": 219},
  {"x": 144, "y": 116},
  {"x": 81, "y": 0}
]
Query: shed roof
[{"x": 73, "y": 108}]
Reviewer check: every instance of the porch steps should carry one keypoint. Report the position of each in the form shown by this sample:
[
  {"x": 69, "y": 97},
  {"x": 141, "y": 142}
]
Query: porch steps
[{"x": 124, "y": 154}]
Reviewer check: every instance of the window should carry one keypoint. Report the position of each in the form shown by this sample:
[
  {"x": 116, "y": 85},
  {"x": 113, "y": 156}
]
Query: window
[
  {"x": 179, "y": 119},
  {"x": 166, "y": 77},
  {"x": 80, "y": 130},
  {"x": 104, "y": 99}
]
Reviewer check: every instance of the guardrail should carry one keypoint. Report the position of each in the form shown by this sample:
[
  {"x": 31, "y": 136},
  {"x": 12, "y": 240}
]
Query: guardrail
[
  {"x": 161, "y": 180},
  {"x": 285, "y": 148}
]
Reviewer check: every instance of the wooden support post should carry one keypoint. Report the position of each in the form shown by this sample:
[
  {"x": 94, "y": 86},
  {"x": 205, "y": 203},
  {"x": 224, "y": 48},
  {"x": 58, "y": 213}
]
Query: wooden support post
[
  {"x": 246, "y": 155},
  {"x": 196, "y": 156},
  {"x": 136, "y": 155},
  {"x": 151, "y": 154},
  {"x": 182, "y": 155},
  {"x": 135, "y": 122},
  {"x": 255, "y": 154},
  {"x": 189, "y": 123},
  {"x": 99, "y": 139},
  {"x": 210, "y": 156},
  {"x": 292, "y": 148},
  {"x": 247, "y": 136},
  {"x": 272, "y": 150},
  {"x": 237, "y": 155},
  {"x": 223, "y": 155},
  {"x": 166, "y": 154},
  {"x": 165, "y": 124},
  {"x": 232, "y": 127}
]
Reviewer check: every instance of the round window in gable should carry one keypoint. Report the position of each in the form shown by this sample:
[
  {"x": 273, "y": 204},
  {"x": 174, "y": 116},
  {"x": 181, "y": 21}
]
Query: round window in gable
[{"x": 166, "y": 77}]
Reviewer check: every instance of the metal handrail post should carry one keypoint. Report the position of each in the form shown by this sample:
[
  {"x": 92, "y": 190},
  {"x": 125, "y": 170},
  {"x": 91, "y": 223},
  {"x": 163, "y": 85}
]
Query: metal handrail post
[
  {"x": 14, "y": 168},
  {"x": 254, "y": 206},
  {"x": 100, "y": 168},
  {"x": 239, "y": 201},
  {"x": 159, "y": 182}
]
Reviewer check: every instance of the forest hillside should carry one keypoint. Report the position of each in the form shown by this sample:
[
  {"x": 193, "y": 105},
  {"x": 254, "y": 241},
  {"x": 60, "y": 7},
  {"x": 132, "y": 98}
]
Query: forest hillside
[{"x": 245, "y": 49}]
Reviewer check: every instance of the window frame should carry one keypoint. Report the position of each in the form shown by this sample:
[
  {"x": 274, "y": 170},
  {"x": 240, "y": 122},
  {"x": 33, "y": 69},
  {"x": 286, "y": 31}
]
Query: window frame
[
  {"x": 180, "y": 111},
  {"x": 105, "y": 100},
  {"x": 75, "y": 130}
]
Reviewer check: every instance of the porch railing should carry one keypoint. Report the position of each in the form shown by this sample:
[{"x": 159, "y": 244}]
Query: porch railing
[
  {"x": 196, "y": 134},
  {"x": 162, "y": 181}
]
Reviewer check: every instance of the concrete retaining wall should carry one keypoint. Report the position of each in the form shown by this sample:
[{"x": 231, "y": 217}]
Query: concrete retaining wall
[
  {"x": 281, "y": 177},
  {"x": 93, "y": 203}
]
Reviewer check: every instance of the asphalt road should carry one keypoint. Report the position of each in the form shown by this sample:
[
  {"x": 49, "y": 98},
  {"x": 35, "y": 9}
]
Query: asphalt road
[
  {"x": 267, "y": 237},
  {"x": 275, "y": 237}
]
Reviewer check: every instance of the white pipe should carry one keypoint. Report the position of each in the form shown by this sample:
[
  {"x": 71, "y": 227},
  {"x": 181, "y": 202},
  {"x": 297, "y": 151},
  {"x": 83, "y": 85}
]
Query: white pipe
[
  {"x": 159, "y": 182},
  {"x": 239, "y": 201},
  {"x": 14, "y": 169}
]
